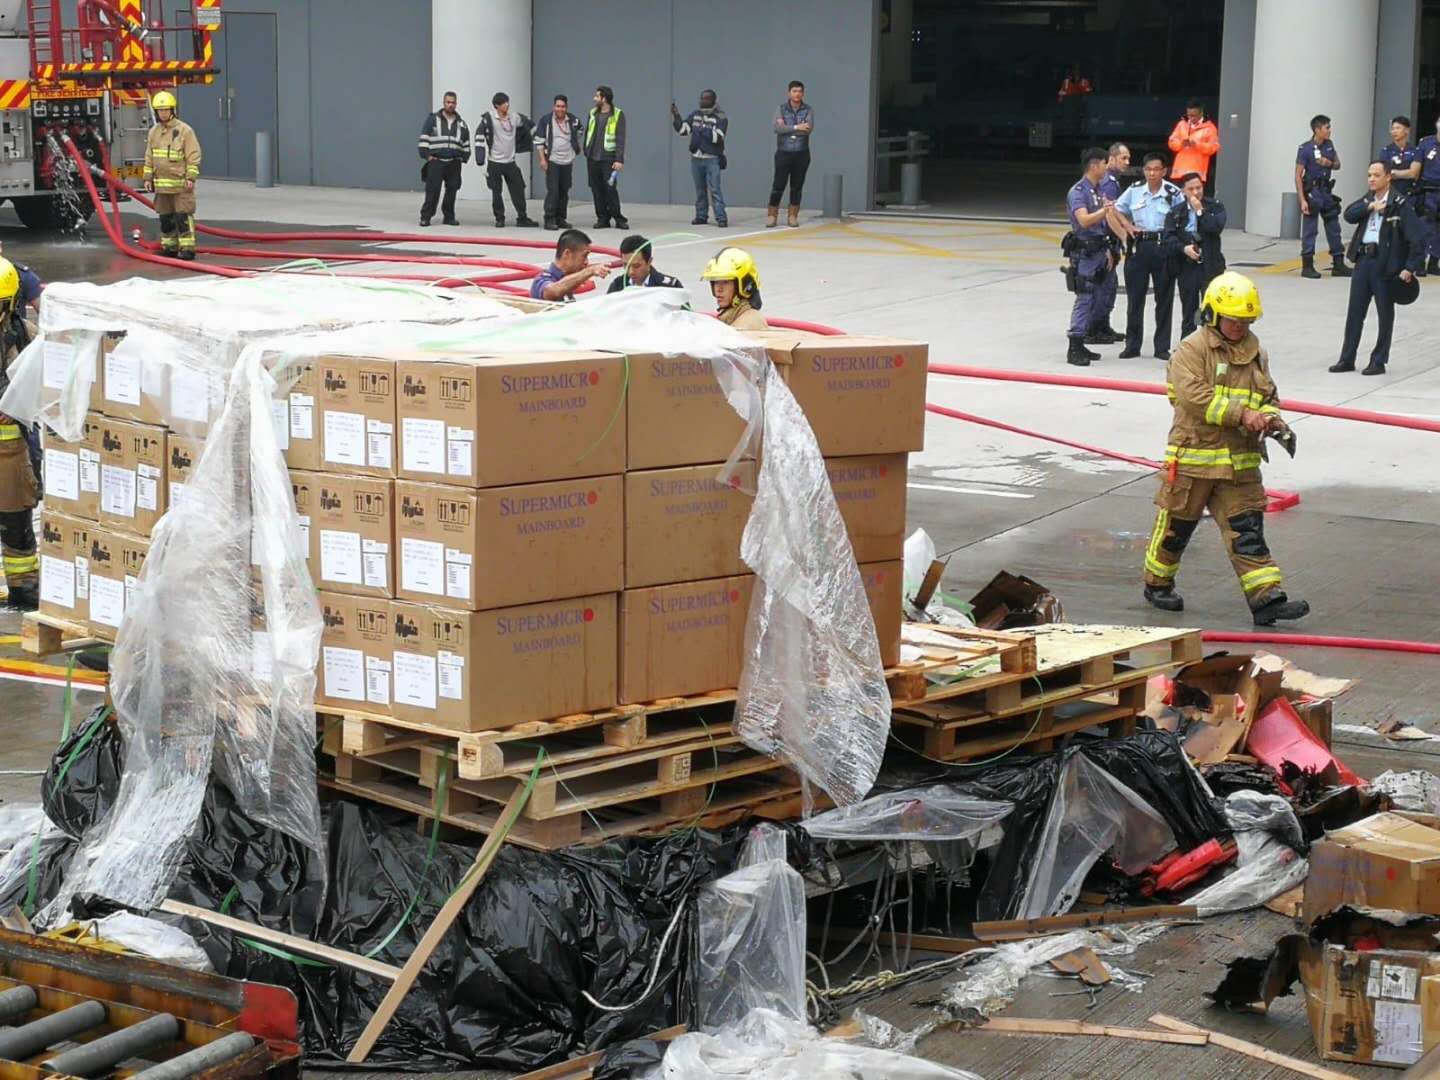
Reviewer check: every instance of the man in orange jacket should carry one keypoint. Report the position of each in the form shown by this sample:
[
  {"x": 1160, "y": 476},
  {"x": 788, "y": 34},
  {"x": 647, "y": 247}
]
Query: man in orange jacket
[{"x": 1194, "y": 142}]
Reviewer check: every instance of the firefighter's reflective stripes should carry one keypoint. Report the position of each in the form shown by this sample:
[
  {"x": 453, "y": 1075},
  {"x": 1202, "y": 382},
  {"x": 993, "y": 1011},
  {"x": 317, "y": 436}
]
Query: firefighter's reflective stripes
[
  {"x": 1152, "y": 553},
  {"x": 10, "y": 432},
  {"x": 19, "y": 565},
  {"x": 1238, "y": 460},
  {"x": 1263, "y": 578},
  {"x": 14, "y": 93},
  {"x": 1223, "y": 395}
]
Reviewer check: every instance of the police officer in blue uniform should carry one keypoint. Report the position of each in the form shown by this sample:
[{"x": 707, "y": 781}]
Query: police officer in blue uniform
[
  {"x": 1140, "y": 215},
  {"x": 1428, "y": 203},
  {"x": 1315, "y": 161},
  {"x": 1087, "y": 246},
  {"x": 1101, "y": 332},
  {"x": 1403, "y": 157}
]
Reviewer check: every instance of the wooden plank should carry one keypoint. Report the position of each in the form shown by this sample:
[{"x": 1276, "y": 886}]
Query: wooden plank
[
  {"x": 929, "y": 584},
  {"x": 1249, "y": 1049},
  {"x": 935, "y": 943},
  {"x": 284, "y": 941},
  {"x": 1015, "y": 929},
  {"x": 581, "y": 1068},
  {"x": 437, "y": 930},
  {"x": 1025, "y": 1026},
  {"x": 1084, "y": 963},
  {"x": 44, "y": 635}
]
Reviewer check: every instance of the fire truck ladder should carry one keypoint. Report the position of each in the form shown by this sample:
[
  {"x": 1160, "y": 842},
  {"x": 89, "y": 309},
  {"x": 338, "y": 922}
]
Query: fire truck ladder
[{"x": 45, "y": 49}]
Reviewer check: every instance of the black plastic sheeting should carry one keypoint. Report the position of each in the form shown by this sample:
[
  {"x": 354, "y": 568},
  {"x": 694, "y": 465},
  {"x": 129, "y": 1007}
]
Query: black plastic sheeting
[
  {"x": 1151, "y": 763},
  {"x": 506, "y": 986}
]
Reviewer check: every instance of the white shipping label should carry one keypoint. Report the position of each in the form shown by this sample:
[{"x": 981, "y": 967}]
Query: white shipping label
[
  {"x": 90, "y": 471},
  {"x": 152, "y": 378},
  {"x": 57, "y": 581},
  {"x": 414, "y": 680},
  {"x": 62, "y": 474},
  {"x": 377, "y": 680},
  {"x": 107, "y": 601},
  {"x": 457, "y": 574},
  {"x": 302, "y": 416},
  {"x": 177, "y": 492},
  {"x": 132, "y": 586},
  {"x": 380, "y": 439},
  {"x": 147, "y": 491},
  {"x": 460, "y": 447},
  {"x": 1399, "y": 1034},
  {"x": 262, "y": 656},
  {"x": 189, "y": 395},
  {"x": 345, "y": 438},
  {"x": 122, "y": 377},
  {"x": 422, "y": 444},
  {"x": 344, "y": 673},
  {"x": 452, "y": 681},
  {"x": 304, "y": 520},
  {"x": 340, "y": 557},
  {"x": 82, "y": 578},
  {"x": 56, "y": 361},
  {"x": 280, "y": 421},
  {"x": 375, "y": 557},
  {"x": 1397, "y": 981},
  {"x": 117, "y": 491},
  {"x": 422, "y": 566}
]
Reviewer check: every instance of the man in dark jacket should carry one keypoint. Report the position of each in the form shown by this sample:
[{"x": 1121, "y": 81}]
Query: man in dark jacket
[
  {"x": 706, "y": 127},
  {"x": 557, "y": 140},
  {"x": 1388, "y": 244},
  {"x": 639, "y": 271},
  {"x": 605, "y": 158},
  {"x": 504, "y": 137},
  {"x": 1192, "y": 238},
  {"x": 444, "y": 147}
]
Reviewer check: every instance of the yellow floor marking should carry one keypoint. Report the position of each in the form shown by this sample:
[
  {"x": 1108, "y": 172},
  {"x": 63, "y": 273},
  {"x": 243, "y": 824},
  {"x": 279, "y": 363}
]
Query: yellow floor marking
[
  {"x": 30, "y": 667},
  {"x": 9, "y": 639}
]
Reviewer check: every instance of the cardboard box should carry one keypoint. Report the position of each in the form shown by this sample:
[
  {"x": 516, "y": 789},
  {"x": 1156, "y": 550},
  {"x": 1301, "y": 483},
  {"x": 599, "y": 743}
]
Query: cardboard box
[
  {"x": 57, "y": 363},
  {"x": 132, "y": 386},
  {"x": 1372, "y": 1006},
  {"x": 116, "y": 559},
  {"x": 132, "y": 475},
  {"x": 683, "y": 639},
  {"x": 355, "y": 653},
  {"x": 520, "y": 418},
  {"x": 301, "y": 435},
  {"x": 862, "y": 395},
  {"x": 72, "y": 471},
  {"x": 471, "y": 671},
  {"x": 1384, "y": 861},
  {"x": 677, "y": 413},
  {"x": 64, "y": 549},
  {"x": 352, "y": 419},
  {"x": 684, "y": 525},
  {"x": 885, "y": 588},
  {"x": 351, "y": 522},
  {"x": 498, "y": 547},
  {"x": 870, "y": 492},
  {"x": 182, "y": 455},
  {"x": 304, "y": 488}
]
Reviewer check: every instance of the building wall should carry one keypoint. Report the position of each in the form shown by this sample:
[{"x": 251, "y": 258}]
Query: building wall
[
  {"x": 354, "y": 87},
  {"x": 654, "y": 52},
  {"x": 1397, "y": 70},
  {"x": 1237, "y": 69}
]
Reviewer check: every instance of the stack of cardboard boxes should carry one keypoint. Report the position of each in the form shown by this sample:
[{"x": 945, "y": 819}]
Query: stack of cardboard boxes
[
  {"x": 105, "y": 493},
  {"x": 498, "y": 539}
]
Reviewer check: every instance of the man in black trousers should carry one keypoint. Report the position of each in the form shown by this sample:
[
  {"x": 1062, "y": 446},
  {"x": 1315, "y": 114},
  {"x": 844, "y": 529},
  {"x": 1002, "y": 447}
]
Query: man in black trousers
[
  {"x": 1387, "y": 251},
  {"x": 1192, "y": 238},
  {"x": 444, "y": 147}
]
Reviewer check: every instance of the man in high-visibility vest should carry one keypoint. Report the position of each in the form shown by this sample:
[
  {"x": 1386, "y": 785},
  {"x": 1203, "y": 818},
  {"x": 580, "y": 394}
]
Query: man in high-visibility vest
[
  {"x": 1225, "y": 405},
  {"x": 605, "y": 158},
  {"x": 19, "y": 472},
  {"x": 172, "y": 165}
]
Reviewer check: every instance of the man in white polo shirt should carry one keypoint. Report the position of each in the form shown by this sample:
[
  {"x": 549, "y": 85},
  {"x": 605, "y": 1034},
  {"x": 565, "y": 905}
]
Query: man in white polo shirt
[{"x": 505, "y": 136}]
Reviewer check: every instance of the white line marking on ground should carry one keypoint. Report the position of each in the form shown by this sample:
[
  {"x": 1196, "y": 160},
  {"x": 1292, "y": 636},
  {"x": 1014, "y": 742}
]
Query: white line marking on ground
[{"x": 958, "y": 490}]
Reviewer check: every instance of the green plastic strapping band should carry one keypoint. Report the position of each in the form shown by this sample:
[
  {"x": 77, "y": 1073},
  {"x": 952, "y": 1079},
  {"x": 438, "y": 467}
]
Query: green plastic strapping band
[
  {"x": 69, "y": 698},
  {"x": 619, "y": 408}
]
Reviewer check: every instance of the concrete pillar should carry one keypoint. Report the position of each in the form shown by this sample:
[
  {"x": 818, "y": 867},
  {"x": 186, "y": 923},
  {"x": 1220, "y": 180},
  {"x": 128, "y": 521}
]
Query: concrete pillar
[
  {"x": 479, "y": 48},
  {"x": 895, "y": 50},
  {"x": 1298, "y": 74},
  {"x": 1397, "y": 70}
]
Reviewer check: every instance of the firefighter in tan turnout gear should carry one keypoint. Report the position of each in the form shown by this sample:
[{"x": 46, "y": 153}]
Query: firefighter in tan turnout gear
[
  {"x": 19, "y": 466},
  {"x": 172, "y": 166},
  {"x": 1225, "y": 406}
]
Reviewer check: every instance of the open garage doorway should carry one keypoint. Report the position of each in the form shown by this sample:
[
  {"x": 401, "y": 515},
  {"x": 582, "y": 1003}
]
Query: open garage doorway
[{"x": 1009, "y": 92}]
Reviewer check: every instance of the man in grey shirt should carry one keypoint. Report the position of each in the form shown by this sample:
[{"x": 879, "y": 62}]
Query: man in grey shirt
[
  {"x": 557, "y": 138},
  {"x": 505, "y": 136},
  {"x": 794, "y": 121}
]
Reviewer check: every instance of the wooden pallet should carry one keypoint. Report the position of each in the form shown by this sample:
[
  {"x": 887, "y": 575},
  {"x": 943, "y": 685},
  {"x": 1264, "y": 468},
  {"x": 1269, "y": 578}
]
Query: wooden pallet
[
  {"x": 1067, "y": 655},
  {"x": 511, "y": 751},
  {"x": 771, "y": 794},
  {"x": 44, "y": 635}
]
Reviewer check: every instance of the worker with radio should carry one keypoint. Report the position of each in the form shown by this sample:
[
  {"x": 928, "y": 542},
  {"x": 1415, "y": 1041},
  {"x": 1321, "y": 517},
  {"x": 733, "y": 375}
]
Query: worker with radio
[
  {"x": 1225, "y": 407},
  {"x": 1101, "y": 332},
  {"x": 735, "y": 285},
  {"x": 19, "y": 452},
  {"x": 1087, "y": 248},
  {"x": 1428, "y": 201},
  {"x": 1192, "y": 234},
  {"x": 172, "y": 165},
  {"x": 1315, "y": 161}
]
